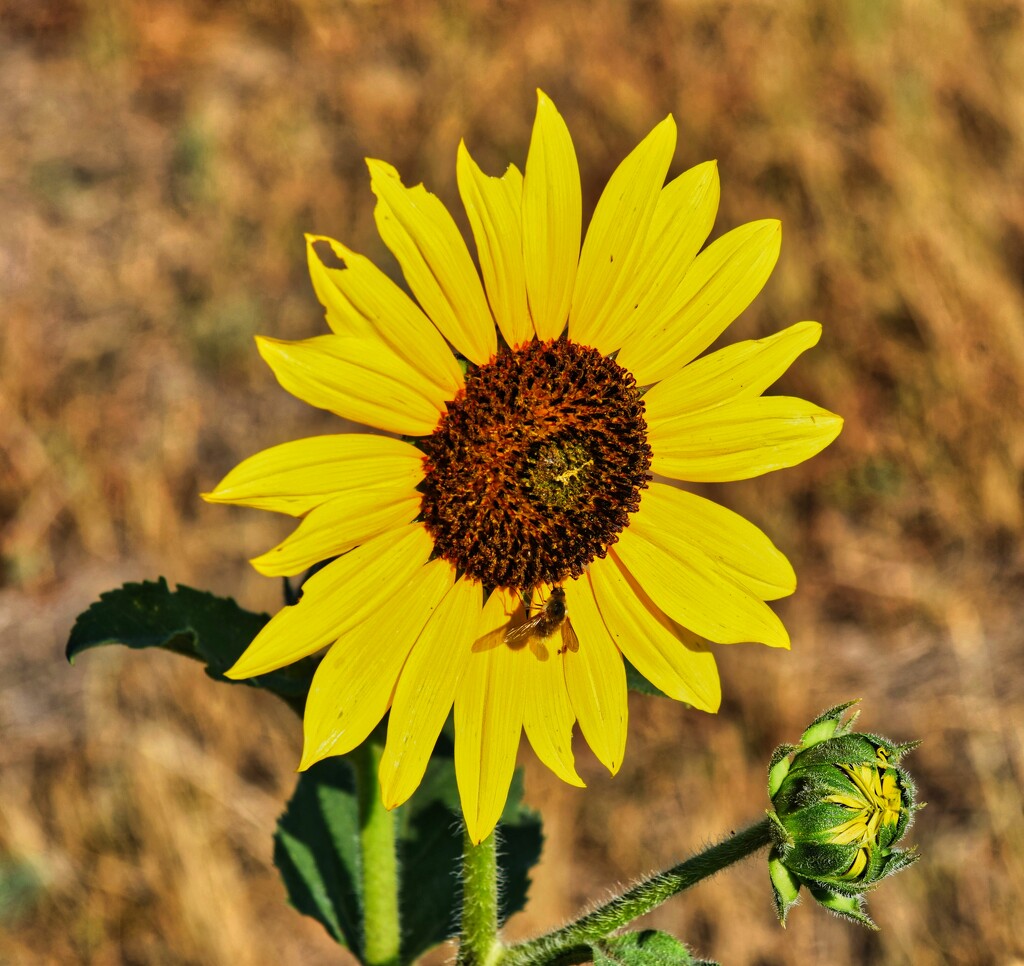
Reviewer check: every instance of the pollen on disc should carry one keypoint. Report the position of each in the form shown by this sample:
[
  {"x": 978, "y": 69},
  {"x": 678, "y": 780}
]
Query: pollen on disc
[{"x": 536, "y": 466}]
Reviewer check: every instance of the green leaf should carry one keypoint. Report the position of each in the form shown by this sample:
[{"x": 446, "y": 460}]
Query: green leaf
[
  {"x": 647, "y": 948},
  {"x": 430, "y": 844},
  {"x": 519, "y": 845},
  {"x": 785, "y": 887},
  {"x": 635, "y": 681},
  {"x": 848, "y": 907},
  {"x": 316, "y": 851},
  {"x": 214, "y": 630},
  {"x": 830, "y": 723}
]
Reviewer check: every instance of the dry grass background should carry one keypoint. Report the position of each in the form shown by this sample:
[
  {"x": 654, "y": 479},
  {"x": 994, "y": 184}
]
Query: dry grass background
[{"x": 159, "y": 163}]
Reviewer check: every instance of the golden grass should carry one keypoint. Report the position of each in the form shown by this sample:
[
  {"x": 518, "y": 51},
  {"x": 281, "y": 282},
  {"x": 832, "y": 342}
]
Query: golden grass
[{"x": 161, "y": 161}]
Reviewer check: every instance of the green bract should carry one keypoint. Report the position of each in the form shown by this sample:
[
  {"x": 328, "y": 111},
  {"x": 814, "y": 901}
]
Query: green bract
[{"x": 840, "y": 804}]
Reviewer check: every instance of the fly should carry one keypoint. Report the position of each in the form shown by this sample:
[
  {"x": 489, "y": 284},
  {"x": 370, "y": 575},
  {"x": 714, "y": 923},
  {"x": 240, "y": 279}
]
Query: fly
[{"x": 552, "y": 619}]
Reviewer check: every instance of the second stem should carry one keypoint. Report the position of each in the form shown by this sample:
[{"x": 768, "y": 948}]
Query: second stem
[
  {"x": 383, "y": 937},
  {"x": 479, "y": 944}
]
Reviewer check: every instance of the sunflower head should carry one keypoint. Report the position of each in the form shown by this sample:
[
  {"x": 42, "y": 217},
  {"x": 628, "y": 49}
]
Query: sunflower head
[
  {"x": 518, "y": 410},
  {"x": 840, "y": 803},
  {"x": 536, "y": 466}
]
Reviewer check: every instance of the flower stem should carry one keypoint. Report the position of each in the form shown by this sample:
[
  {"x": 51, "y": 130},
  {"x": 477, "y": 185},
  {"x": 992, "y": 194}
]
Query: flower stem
[
  {"x": 381, "y": 931},
  {"x": 571, "y": 944},
  {"x": 478, "y": 943}
]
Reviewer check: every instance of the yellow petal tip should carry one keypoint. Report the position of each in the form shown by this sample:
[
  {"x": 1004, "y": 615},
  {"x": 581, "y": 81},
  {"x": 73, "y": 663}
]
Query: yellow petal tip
[
  {"x": 812, "y": 328},
  {"x": 310, "y": 758},
  {"x": 575, "y": 780},
  {"x": 668, "y": 122},
  {"x": 379, "y": 169},
  {"x": 263, "y": 564},
  {"x": 250, "y": 665},
  {"x": 545, "y": 104},
  {"x": 238, "y": 672},
  {"x": 781, "y": 641},
  {"x": 266, "y": 346},
  {"x": 477, "y": 833},
  {"x": 832, "y": 423}
]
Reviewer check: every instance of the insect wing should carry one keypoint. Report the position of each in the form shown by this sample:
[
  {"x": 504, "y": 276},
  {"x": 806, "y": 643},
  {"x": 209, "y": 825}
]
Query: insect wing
[
  {"x": 570, "y": 642},
  {"x": 526, "y": 630}
]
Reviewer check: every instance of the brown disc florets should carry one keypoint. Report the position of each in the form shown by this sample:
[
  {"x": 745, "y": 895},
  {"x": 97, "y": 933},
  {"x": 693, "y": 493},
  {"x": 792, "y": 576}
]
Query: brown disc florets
[{"x": 536, "y": 466}]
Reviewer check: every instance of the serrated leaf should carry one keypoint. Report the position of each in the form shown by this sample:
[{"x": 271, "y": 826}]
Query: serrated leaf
[
  {"x": 316, "y": 851},
  {"x": 647, "y": 948},
  {"x": 431, "y": 845},
  {"x": 519, "y": 845},
  {"x": 214, "y": 630}
]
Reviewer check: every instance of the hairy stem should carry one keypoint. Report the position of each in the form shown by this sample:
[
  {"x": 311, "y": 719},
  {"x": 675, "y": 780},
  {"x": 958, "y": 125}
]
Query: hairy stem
[
  {"x": 478, "y": 943},
  {"x": 382, "y": 933},
  {"x": 571, "y": 944}
]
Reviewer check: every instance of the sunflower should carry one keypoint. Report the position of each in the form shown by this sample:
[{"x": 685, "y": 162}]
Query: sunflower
[{"x": 510, "y": 527}]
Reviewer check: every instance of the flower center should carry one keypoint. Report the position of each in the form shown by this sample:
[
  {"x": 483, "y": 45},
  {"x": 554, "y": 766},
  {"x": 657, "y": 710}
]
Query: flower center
[{"x": 536, "y": 466}]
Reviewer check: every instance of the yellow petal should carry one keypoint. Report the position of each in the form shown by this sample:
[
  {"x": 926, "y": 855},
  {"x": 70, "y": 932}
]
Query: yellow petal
[
  {"x": 361, "y": 300},
  {"x": 552, "y": 220},
  {"x": 426, "y": 690},
  {"x": 741, "y": 439},
  {"x": 595, "y": 677},
  {"x": 696, "y": 592},
  {"x": 547, "y": 712},
  {"x": 357, "y": 379},
  {"x": 489, "y": 720},
  {"x": 614, "y": 247},
  {"x": 355, "y": 681},
  {"x": 741, "y": 370},
  {"x": 338, "y": 598},
  {"x": 722, "y": 281},
  {"x": 685, "y": 520},
  {"x": 340, "y": 314},
  {"x": 683, "y": 219},
  {"x": 494, "y": 206},
  {"x": 664, "y": 653},
  {"x": 421, "y": 233},
  {"x": 296, "y": 476},
  {"x": 336, "y": 527}
]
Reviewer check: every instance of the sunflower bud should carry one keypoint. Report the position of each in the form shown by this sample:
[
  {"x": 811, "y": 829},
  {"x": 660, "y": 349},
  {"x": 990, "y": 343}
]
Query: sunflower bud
[{"x": 840, "y": 804}]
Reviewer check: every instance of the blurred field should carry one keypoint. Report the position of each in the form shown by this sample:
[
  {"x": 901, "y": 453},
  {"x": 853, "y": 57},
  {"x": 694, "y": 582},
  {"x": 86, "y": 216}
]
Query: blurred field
[{"x": 159, "y": 163}]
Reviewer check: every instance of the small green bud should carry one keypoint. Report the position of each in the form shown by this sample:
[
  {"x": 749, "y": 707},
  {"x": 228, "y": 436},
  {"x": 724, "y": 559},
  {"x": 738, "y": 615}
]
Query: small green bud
[{"x": 840, "y": 804}]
